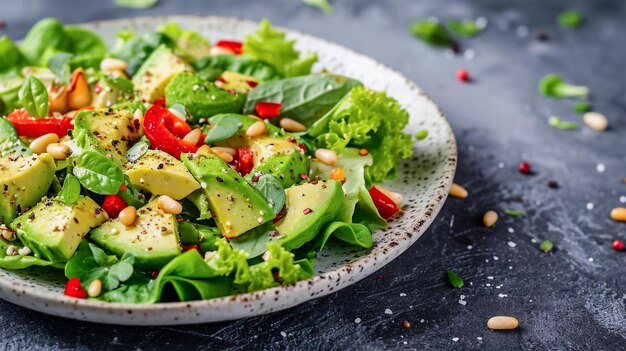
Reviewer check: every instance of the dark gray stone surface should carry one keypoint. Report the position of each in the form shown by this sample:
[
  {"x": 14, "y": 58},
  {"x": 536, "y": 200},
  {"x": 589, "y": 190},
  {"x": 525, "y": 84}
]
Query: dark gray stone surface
[{"x": 571, "y": 299}]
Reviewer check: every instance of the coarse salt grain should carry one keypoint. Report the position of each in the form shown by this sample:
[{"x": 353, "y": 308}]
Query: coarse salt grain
[
  {"x": 388, "y": 311},
  {"x": 622, "y": 199},
  {"x": 357, "y": 320},
  {"x": 590, "y": 259},
  {"x": 463, "y": 302},
  {"x": 495, "y": 258},
  {"x": 455, "y": 339},
  {"x": 511, "y": 244},
  {"x": 600, "y": 168},
  {"x": 511, "y": 230},
  {"x": 490, "y": 277},
  {"x": 522, "y": 31},
  {"x": 284, "y": 335},
  {"x": 589, "y": 206},
  {"x": 469, "y": 247},
  {"x": 501, "y": 165},
  {"x": 402, "y": 294},
  {"x": 502, "y": 295},
  {"x": 462, "y": 297}
]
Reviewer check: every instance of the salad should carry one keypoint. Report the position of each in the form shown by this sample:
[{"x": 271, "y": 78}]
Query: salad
[{"x": 170, "y": 168}]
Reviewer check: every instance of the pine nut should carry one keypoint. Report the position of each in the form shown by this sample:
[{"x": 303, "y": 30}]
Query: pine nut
[
  {"x": 363, "y": 152},
  {"x": 58, "y": 151},
  {"x": 490, "y": 218},
  {"x": 338, "y": 174},
  {"x": 290, "y": 125},
  {"x": 109, "y": 65},
  {"x": 204, "y": 149},
  {"x": 619, "y": 214},
  {"x": 57, "y": 97},
  {"x": 502, "y": 323},
  {"x": 11, "y": 250},
  {"x": 95, "y": 288},
  {"x": 40, "y": 144},
  {"x": 25, "y": 251},
  {"x": 595, "y": 120},
  {"x": 458, "y": 191},
  {"x": 169, "y": 205},
  {"x": 219, "y": 50},
  {"x": 227, "y": 150},
  {"x": 328, "y": 157},
  {"x": 256, "y": 129},
  {"x": 78, "y": 94},
  {"x": 193, "y": 136},
  {"x": 397, "y": 198},
  {"x": 127, "y": 216},
  {"x": 224, "y": 156}
]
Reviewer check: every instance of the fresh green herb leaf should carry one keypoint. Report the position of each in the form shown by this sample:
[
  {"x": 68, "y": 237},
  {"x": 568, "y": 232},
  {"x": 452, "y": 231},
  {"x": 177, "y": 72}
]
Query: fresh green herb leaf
[
  {"x": 563, "y": 125},
  {"x": 546, "y": 246},
  {"x": 421, "y": 134},
  {"x": 273, "y": 191},
  {"x": 465, "y": 28},
  {"x": 432, "y": 32},
  {"x": 34, "y": 97},
  {"x": 136, "y": 49},
  {"x": 454, "y": 279},
  {"x": 10, "y": 142},
  {"x": 514, "y": 213},
  {"x": 211, "y": 67},
  {"x": 224, "y": 127},
  {"x": 254, "y": 242},
  {"x": 580, "y": 107},
  {"x": 138, "y": 150},
  {"x": 70, "y": 191},
  {"x": 59, "y": 65},
  {"x": 191, "y": 43},
  {"x": 570, "y": 19},
  {"x": 136, "y": 4},
  {"x": 98, "y": 173},
  {"x": 323, "y": 5},
  {"x": 91, "y": 262},
  {"x": 553, "y": 86}
]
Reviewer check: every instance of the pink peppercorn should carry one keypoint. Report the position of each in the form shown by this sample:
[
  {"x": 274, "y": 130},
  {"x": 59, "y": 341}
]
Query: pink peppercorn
[
  {"x": 524, "y": 168},
  {"x": 462, "y": 75},
  {"x": 618, "y": 245}
]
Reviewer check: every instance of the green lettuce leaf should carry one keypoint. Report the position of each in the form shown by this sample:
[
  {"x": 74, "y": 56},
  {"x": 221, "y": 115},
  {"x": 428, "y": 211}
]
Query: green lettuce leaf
[
  {"x": 351, "y": 233},
  {"x": 370, "y": 120},
  {"x": 211, "y": 67},
  {"x": 192, "y": 44},
  {"x": 19, "y": 261},
  {"x": 270, "y": 45}
]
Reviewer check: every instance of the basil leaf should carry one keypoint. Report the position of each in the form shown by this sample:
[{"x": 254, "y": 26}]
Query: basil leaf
[
  {"x": 91, "y": 262},
  {"x": 10, "y": 142},
  {"x": 70, "y": 191},
  {"x": 34, "y": 97},
  {"x": 224, "y": 127},
  {"x": 139, "y": 149},
  {"x": 59, "y": 65},
  {"x": 273, "y": 191},
  {"x": 304, "y": 98},
  {"x": 98, "y": 173},
  {"x": 454, "y": 279}
]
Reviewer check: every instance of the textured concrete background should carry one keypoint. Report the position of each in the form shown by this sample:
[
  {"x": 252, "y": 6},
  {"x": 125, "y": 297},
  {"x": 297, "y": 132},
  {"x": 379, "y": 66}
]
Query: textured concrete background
[{"x": 571, "y": 299}]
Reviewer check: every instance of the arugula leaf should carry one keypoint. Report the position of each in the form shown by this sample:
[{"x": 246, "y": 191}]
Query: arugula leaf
[
  {"x": 34, "y": 97},
  {"x": 98, "y": 173},
  {"x": 570, "y": 19},
  {"x": 323, "y": 5},
  {"x": 371, "y": 120},
  {"x": 431, "y": 32},
  {"x": 91, "y": 262},
  {"x": 303, "y": 98},
  {"x": 211, "y": 67},
  {"x": 454, "y": 279},
  {"x": 465, "y": 28},
  {"x": 224, "y": 127},
  {"x": 139, "y": 149},
  {"x": 136, "y": 4},
  {"x": 70, "y": 191},
  {"x": 10, "y": 142},
  {"x": 272, "y": 189},
  {"x": 270, "y": 45}
]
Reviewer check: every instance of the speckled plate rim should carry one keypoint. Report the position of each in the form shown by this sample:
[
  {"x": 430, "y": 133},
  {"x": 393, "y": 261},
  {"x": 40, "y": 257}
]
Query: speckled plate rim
[{"x": 260, "y": 302}]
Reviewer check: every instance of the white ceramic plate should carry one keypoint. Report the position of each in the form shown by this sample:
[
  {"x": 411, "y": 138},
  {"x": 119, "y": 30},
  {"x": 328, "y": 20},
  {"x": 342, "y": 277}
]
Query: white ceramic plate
[{"x": 424, "y": 180}]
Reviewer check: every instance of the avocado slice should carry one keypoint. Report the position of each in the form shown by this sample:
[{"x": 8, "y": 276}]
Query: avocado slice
[
  {"x": 161, "y": 174},
  {"x": 237, "y": 206},
  {"x": 203, "y": 99},
  {"x": 153, "y": 239},
  {"x": 53, "y": 230},
  {"x": 108, "y": 131},
  {"x": 111, "y": 90},
  {"x": 309, "y": 208},
  {"x": 24, "y": 180},
  {"x": 157, "y": 72}
]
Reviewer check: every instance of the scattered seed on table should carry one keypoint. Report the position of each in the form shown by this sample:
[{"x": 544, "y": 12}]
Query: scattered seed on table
[
  {"x": 406, "y": 324},
  {"x": 502, "y": 323},
  {"x": 596, "y": 121},
  {"x": 490, "y": 218},
  {"x": 458, "y": 191},
  {"x": 546, "y": 246},
  {"x": 553, "y": 184},
  {"x": 619, "y": 214}
]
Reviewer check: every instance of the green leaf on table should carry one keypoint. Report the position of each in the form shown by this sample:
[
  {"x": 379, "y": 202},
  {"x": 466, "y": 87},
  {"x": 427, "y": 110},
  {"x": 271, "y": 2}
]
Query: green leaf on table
[
  {"x": 546, "y": 246},
  {"x": 514, "y": 213},
  {"x": 98, "y": 173},
  {"x": 563, "y": 125},
  {"x": 34, "y": 97},
  {"x": 136, "y": 4},
  {"x": 273, "y": 191},
  {"x": 581, "y": 107},
  {"x": 553, "y": 86},
  {"x": 223, "y": 127},
  {"x": 431, "y": 32},
  {"x": 421, "y": 134},
  {"x": 70, "y": 192},
  {"x": 570, "y": 19},
  {"x": 323, "y": 5},
  {"x": 91, "y": 262},
  {"x": 465, "y": 28},
  {"x": 454, "y": 279}
]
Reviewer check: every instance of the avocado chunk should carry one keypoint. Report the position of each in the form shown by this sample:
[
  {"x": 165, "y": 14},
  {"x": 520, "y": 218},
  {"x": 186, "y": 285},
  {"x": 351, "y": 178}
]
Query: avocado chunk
[
  {"x": 237, "y": 206},
  {"x": 241, "y": 83},
  {"x": 109, "y": 132},
  {"x": 53, "y": 230},
  {"x": 157, "y": 72},
  {"x": 309, "y": 208},
  {"x": 203, "y": 99},
  {"x": 152, "y": 239},
  {"x": 161, "y": 174},
  {"x": 24, "y": 180},
  {"x": 111, "y": 90}
]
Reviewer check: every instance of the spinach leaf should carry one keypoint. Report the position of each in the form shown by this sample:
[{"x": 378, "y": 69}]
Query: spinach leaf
[
  {"x": 44, "y": 39},
  {"x": 351, "y": 233},
  {"x": 272, "y": 189},
  {"x": 91, "y": 262},
  {"x": 84, "y": 42},
  {"x": 70, "y": 191},
  {"x": 98, "y": 173},
  {"x": 224, "y": 127},
  {"x": 11, "y": 59},
  {"x": 304, "y": 98},
  {"x": 211, "y": 67},
  {"x": 137, "y": 49},
  {"x": 254, "y": 242},
  {"x": 34, "y": 97},
  {"x": 139, "y": 149},
  {"x": 10, "y": 142}
]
